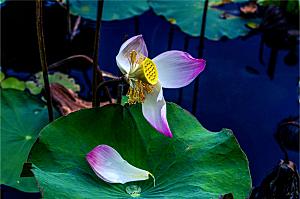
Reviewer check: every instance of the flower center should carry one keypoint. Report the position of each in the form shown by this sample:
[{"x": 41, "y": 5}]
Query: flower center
[
  {"x": 142, "y": 68},
  {"x": 142, "y": 77},
  {"x": 150, "y": 71}
]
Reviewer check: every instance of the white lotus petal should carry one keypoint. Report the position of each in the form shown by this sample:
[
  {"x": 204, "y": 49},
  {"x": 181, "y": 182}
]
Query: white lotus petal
[
  {"x": 135, "y": 43},
  {"x": 155, "y": 111},
  {"x": 177, "y": 69},
  {"x": 108, "y": 165}
]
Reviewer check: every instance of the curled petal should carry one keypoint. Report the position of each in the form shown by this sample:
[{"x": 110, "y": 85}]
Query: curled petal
[
  {"x": 155, "y": 110},
  {"x": 136, "y": 43},
  {"x": 108, "y": 165},
  {"x": 177, "y": 69}
]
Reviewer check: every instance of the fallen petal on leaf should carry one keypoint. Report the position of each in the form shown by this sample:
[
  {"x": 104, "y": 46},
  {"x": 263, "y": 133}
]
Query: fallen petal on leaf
[{"x": 108, "y": 165}]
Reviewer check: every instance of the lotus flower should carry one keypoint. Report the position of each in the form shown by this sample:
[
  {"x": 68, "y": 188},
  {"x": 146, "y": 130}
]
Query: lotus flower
[{"x": 146, "y": 77}]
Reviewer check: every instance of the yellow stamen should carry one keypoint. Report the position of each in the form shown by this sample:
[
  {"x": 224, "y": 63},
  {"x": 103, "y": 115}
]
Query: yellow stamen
[
  {"x": 132, "y": 57},
  {"x": 136, "y": 93}
]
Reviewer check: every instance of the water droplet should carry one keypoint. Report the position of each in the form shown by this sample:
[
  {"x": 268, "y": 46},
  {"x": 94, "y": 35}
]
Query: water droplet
[
  {"x": 133, "y": 190},
  {"x": 36, "y": 111},
  {"x": 28, "y": 137}
]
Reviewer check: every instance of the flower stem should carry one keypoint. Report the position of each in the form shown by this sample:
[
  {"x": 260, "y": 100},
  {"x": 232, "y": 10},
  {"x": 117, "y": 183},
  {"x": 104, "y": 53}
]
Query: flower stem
[
  {"x": 200, "y": 55},
  {"x": 120, "y": 93},
  {"x": 83, "y": 57},
  {"x": 69, "y": 24},
  {"x": 96, "y": 54},
  {"x": 171, "y": 36},
  {"x": 111, "y": 81},
  {"x": 136, "y": 25},
  {"x": 42, "y": 51}
]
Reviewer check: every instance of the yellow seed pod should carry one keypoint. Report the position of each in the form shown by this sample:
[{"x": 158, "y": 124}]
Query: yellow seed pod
[{"x": 150, "y": 71}]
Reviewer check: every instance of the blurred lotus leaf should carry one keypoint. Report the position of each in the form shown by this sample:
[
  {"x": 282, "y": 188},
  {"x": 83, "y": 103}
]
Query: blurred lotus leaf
[
  {"x": 291, "y": 6},
  {"x": 35, "y": 86},
  {"x": 2, "y": 76},
  {"x": 112, "y": 9},
  {"x": 188, "y": 16},
  {"x": 11, "y": 82},
  {"x": 22, "y": 118},
  {"x": 195, "y": 163}
]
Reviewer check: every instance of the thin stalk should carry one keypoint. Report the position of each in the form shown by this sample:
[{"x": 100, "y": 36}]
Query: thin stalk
[
  {"x": 261, "y": 51},
  {"x": 171, "y": 36},
  {"x": 69, "y": 24},
  {"x": 120, "y": 93},
  {"x": 75, "y": 28},
  {"x": 272, "y": 63},
  {"x": 110, "y": 82},
  {"x": 136, "y": 25},
  {"x": 42, "y": 51},
  {"x": 83, "y": 57},
  {"x": 200, "y": 55},
  {"x": 96, "y": 54}
]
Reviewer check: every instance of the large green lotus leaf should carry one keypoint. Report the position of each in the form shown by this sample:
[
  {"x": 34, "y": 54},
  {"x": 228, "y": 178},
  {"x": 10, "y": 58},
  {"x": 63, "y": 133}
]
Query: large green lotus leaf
[
  {"x": 195, "y": 163},
  {"x": 22, "y": 118},
  {"x": 187, "y": 14},
  {"x": 112, "y": 9}
]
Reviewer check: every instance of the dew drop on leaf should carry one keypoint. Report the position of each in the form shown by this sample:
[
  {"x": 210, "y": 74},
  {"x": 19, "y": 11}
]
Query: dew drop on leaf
[{"x": 133, "y": 190}]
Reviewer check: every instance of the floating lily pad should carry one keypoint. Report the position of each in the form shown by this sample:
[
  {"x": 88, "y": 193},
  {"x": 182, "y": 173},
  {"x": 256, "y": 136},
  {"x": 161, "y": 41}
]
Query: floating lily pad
[
  {"x": 112, "y": 9},
  {"x": 195, "y": 163},
  {"x": 22, "y": 117},
  {"x": 188, "y": 16},
  {"x": 35, "y": 87}
]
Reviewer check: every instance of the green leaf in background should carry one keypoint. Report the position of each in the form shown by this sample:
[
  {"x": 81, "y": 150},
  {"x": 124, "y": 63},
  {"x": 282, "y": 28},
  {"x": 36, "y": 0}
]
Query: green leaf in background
[
  {"x": 195, "y": 163},
  {"x": 35, "y": 87},
  {"x": 13, "y": 83},
  {"x": 112, "y": 9},
  {"x": 187, "y": 15},
  {"x": 2, "y": 76},
  {"x": 22, "y": 117},
  {"x": 291, "y": 6}
]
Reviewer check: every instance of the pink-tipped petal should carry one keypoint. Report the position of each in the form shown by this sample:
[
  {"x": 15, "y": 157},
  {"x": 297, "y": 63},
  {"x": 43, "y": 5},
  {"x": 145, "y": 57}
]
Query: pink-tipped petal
[
  {"x": 155, "y": 111},
  {"x": 177, "y": 69},
  {"x": 136, "y": 43},
  {"x": 108, "y": 165}
]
